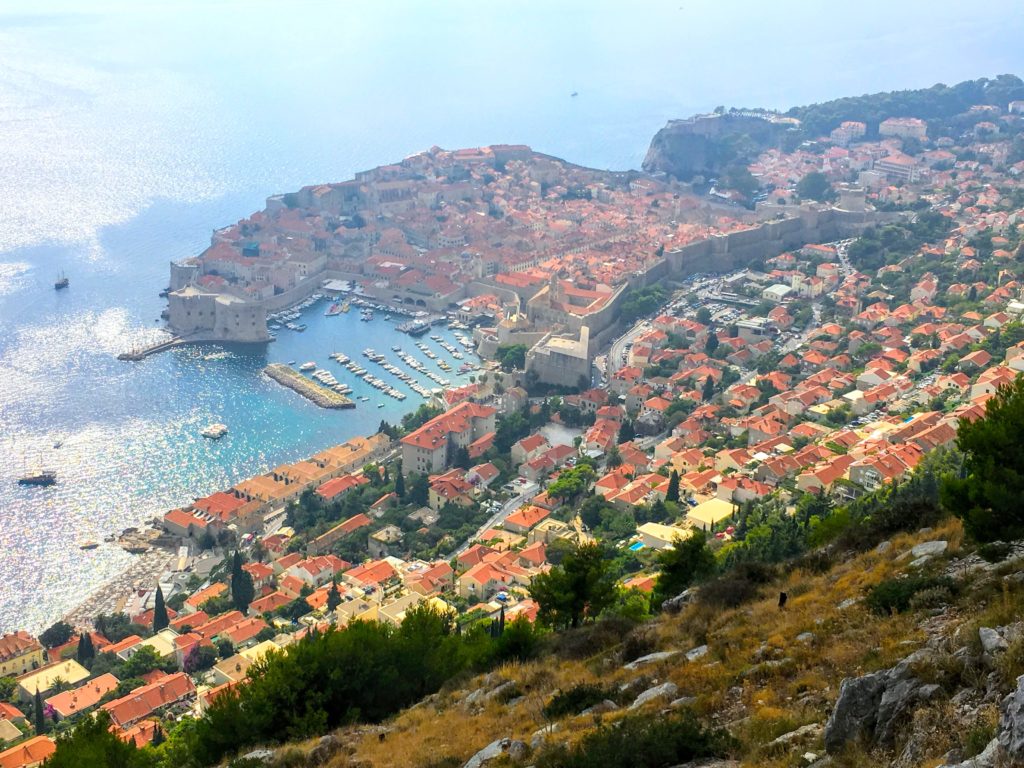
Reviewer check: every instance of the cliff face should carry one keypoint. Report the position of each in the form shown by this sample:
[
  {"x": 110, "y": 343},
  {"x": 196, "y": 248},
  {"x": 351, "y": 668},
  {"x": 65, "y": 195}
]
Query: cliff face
[{"x": 706, "y": 144}]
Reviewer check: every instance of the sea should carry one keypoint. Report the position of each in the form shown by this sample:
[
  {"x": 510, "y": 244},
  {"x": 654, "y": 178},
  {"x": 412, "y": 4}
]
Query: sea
[{"x": 130, "y": 130}]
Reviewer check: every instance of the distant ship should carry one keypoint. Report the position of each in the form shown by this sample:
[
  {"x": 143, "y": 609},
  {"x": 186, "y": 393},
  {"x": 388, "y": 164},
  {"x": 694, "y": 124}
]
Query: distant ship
[
  {"x": 62, "y": 282},
  {"x": 88, "y": 545},
  {"x": 40, "y": 477}
]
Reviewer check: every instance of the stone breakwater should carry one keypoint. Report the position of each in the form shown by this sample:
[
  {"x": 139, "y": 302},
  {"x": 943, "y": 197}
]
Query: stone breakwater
[{"x": 315, "y": 393}]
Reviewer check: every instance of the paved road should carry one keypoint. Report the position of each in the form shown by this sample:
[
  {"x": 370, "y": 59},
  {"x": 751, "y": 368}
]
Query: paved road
[
  {"x": 507, "y": 509},
  {"x": 615, "y": 361}
]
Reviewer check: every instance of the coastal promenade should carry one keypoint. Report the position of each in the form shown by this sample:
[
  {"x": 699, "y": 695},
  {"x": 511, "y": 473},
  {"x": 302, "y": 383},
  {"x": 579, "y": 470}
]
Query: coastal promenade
[{"x": 315, "y": 393}]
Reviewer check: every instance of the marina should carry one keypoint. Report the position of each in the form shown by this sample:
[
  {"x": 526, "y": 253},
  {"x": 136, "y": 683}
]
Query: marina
[{"x": 316, "y": 393}]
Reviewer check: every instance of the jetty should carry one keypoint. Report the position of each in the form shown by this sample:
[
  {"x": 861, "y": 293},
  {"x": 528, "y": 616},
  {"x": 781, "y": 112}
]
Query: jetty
[
  {"x": 309, "y": 389},
  {"x": 141, "y": 353}
]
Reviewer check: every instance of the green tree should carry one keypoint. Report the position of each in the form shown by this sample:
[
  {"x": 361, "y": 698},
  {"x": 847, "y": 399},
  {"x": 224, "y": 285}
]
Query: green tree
[
  {"x": 987, "y": 496},
  {"x": 38, "y": 713},
  {"x": 511, "y": 357},
  {"x": 711, "y": 344},
  {"x": 461, "y": 458},
  {"x": 86, "y": 651},
  {"x": 708, "y": 390},
  {"x": 704, "y": 316},
  {"x": 419, "y": 493},
  {"x": 8, "y": 685},
  {"x": 626, "y": 431},
  {"x": 92, "y": 743},
  {"x": 580, "y": 588},
  {"x": 672, "y": 494},
  {"x": 815, "y": 186},
  {"x": 160, "y": 619},
  {"x": 399, "y": 482},
  {"x": 333, "y": 598},
  {"x": 614, "y": 457},
  {"x": 242, "y": 589},
  {"x": 687, "y": 561},
  {"x": 58, "y": 634}
]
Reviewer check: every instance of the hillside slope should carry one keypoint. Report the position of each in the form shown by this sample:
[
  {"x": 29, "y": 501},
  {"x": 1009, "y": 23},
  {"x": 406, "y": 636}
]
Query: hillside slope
[{"x": 770, "y": 677}]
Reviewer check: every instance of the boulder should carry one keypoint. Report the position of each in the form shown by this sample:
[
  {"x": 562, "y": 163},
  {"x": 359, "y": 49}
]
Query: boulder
[
  {"x": 696, "y": 653},
  {"x": 266, "y": 755},
  {"x": 683, "y": 701},
  {"x": 326, "y": 748},
  {"x": 809, "y": 731},
  {"x": 884, "y": 547},
  {"x": 806, "y": 637},
  {"x": 929, "y": 549},
  {"x": 1011, "y": 722},
  {"x": 517, "y": 750},
  {"x": 987, "y": 758},
  {"x": 991, "y": 640},
  {"x": 874, "y": 706},
  {"x": 650, "y": 658},
  {"x": 541, "y": 735},
  {"x": 675, "y": 604},
  {"x": 663, "y": 691},
  {"x": 600, "y": 708},
  {"x": 848, "y": 603}
]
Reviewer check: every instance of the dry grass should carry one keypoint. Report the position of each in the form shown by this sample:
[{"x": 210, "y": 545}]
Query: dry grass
[{"x": 757, "y": 676}]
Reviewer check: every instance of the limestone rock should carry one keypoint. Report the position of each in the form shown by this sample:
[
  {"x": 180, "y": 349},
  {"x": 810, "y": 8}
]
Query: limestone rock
[
  {"x": 884, "y": 547},
  {"x": 806, "y": 637},
  {"x": 696, "y": 653},
  {"x": 541, "y": 734},
  {"x": 873, "y": 706},
  {"x": 675, "y": 604},
  {"x": 929, "y": 549},
  {"x": 1011, "y": 722},
  {"x": 663, "y": 691},
  {"x": 650, "y": 658},
  {"x": 600, "y": 708},
  {"x": 326, "y": 748},
  {"x": 517, "y": 750},
  {"x": 809, "y": 731},
  {"x": 988, "y": 758},
  {"x": 991, "y": 640},
  {"x": 848, "y": 603},
  {"x": 683, "y": 701}
]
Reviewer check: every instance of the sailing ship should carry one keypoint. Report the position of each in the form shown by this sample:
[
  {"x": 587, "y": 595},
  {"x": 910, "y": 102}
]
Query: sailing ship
[{"x": 61, "y": 282}]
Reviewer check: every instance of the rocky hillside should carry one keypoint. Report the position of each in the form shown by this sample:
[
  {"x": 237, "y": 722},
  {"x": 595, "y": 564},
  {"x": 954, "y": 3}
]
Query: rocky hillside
[{"x": 906, "y": 655}]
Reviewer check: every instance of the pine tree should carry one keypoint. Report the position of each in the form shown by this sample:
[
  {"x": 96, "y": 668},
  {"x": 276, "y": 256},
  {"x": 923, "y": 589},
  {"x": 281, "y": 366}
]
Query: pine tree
[
  {"x": 672, "y": 494},
  {"x": 38, "y": 714},
  {"x": 86, "y": 651},
  {"x": 399, "y": 482},
  {"x": 160, "y": 619},
  {"x": 242, "y": 590}
]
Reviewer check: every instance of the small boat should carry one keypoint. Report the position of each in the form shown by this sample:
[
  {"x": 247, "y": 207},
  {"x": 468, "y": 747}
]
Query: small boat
[
  {"x": 291, "y": 362},
  {"x": 334, "y": 309},
  {"x": 310, "y": 366},
  {"x": 39, "y": 477},
  {"x": 346, "y": 305},
  {"x": 59, "y": 443},
  {"x": 380, "y": 405},
  {"x": 574, "y": 94},
  {"x": 214, "y": 431},
  {"x": 88, "y": 544},
  {"x": 61, "y": 282}
]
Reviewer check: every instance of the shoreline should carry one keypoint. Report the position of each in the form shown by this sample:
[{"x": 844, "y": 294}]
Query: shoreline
[{"x": 111, "y": 596}]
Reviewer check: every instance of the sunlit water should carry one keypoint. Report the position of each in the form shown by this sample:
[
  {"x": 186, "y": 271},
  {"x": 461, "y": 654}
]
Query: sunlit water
[{"x": 129, "y": 132}]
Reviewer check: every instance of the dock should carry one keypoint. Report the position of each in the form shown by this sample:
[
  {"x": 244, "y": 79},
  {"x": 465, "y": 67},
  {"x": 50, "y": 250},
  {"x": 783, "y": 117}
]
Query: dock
[
  {"x": 309, "y": 389},
  {"x": 135, "y": 355}
]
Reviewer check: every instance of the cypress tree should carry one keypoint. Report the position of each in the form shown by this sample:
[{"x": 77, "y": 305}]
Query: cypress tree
[
  {"x": 709, "y": 389},
  {"x": 333, "y": 598},
  {"x": 86, "y": 652},
  {"x": 158, "y": 735},
  {"x": 672, "y": 494},
  {"x": 160, "y": 618},
  {"x": 501, "y": 621},
  {"x": 242, "y": 589},
  {"x": 38, "y": 714},
  {"x": 399, "y": 482}
]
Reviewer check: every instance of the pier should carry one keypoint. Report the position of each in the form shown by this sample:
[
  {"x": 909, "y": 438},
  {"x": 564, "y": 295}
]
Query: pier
[
  {"x": 135, "y": 355},
  {"x": 309, "y": 389}
]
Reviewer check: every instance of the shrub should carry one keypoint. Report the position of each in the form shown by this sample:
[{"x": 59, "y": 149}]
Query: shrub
[
  {"x": 639, "y": 642},
  {"x": 995, "y": 551},
  {"x": 933, "y": 597},
  {"x": 590, "y": 639},
  {"x": 577, "y": 699},
  {"x": 894, "y": 595},
  {"x": 641, "y": 742},
  {"x": 740, "y": 585}
]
